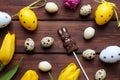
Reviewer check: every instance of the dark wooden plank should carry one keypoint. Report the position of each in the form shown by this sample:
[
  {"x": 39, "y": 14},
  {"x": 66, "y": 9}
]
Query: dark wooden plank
[
  {"x": 48, "y": 24},
  {"x": 62, "y": 14},
  {"x": 60, "y": 61},
  {"x": 105, "y": 36}
]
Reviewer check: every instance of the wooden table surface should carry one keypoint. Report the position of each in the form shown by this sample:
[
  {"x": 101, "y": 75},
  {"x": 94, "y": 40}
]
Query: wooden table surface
[{"x": 48, "y": 24}]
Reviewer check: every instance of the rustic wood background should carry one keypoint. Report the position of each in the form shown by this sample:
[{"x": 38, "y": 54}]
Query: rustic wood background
[{"x": 48, "y": 24}]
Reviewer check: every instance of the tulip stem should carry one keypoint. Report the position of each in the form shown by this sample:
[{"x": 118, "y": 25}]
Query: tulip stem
[
  {"x": 11, "y": 72},
  {"x": 50, "y": 75},
  {"x": 2, "y": 66}
]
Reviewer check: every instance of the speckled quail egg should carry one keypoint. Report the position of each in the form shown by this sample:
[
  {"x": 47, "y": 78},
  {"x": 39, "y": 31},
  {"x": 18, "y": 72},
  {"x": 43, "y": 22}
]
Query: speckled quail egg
[
  {"x": 100, "y": 74},
  {"x": 89, "y": 54},
  {"x": 89, "y": 33},
  {"x": 85, "y": 10},
  {"x": 44, "y": 66},
  {"x": 5, "y": 19},
  {"x": 110, "y": 54},
  {"x": 29, "y": 44},
  {"x": 51, "y": 7},
  {"x": 47, "y": 42}
]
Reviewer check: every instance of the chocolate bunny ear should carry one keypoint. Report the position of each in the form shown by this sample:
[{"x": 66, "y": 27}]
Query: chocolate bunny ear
[
  {"x": 60, "y": 32},
  {"x": 64, "y": 29}
]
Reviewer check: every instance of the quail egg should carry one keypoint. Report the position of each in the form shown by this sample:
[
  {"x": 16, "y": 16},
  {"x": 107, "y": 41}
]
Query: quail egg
[
  {"x": 47, "y": 42},
  {"x": 100, "y": 74},
  {"x": 89, "y": 54},
  {"x": 29, "y": 44}
]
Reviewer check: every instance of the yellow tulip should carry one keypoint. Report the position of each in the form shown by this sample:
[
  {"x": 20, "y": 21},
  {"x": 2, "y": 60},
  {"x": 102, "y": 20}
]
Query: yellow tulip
[
  {"x": 30, "y": 75},
  {"x": 71, "y": 72},
  {"x": 7, "y": 50}
]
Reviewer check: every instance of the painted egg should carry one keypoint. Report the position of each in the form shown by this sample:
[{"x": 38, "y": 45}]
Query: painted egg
[
  {"x": 5, "y": 19},
  {"x": 104, "y": 13},
  {"x": 110, "y": 54},
  {"x": 28, "y": 19}
]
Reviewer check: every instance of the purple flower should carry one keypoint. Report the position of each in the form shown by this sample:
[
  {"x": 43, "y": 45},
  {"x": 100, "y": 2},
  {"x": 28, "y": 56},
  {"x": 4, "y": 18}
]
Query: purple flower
[{"x": 72, "y": 4}]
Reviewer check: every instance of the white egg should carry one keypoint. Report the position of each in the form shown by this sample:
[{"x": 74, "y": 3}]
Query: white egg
[
  {"x": 89, "y": 33},
  {"x": 44, "y": 66},
  {"x": 110, "y": 54},
  {"x": 51, "y": 7},
  {"x": 5, "y": 19}
]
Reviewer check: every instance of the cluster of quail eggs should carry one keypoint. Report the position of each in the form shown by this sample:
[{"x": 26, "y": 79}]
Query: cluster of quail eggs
[
  {"x": 46, "y": 42},
  {"x": 110, "y": 54}
]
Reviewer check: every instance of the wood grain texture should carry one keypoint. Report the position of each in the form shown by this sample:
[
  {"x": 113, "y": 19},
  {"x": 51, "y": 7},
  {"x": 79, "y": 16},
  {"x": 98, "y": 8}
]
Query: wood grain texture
[
  {"x": 105, "y": 36},
  {"x": 48, "y": 24},
  {"x": 62, "y": 14},
  {"x": 31, "y": 61}
]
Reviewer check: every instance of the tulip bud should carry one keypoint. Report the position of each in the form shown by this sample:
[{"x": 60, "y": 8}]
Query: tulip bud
[
  {"x": 30, "y": 75},
  {"x": 71, "y": 72},
  {"x": 7, "y": 50}
]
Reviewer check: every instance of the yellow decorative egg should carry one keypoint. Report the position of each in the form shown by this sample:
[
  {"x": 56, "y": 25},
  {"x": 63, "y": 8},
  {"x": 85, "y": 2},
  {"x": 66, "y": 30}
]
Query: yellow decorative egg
[
  {"x": 28, "y": 19},
  {"x": 104, "y": 13}
]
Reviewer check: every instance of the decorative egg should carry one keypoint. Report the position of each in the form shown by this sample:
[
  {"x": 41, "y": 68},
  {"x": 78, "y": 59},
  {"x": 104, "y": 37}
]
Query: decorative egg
[
  {"x": 104, "y": 13},
  {"x": 44, "y": 66},
  {"x": 51, "y": 7},
  {"x": 89, "y": 33},
  {"x": 85, "y": 10},
  {"x": 28, "y": 19},
  {"x": 89, "y": 54},
  {"x": 29, "y": 44},
  {"x": 47, "y": 42},
  {"x": 100, "y": 74},
  {"x": 5, "y": 19},
  {"x": 110, "y": 54}
]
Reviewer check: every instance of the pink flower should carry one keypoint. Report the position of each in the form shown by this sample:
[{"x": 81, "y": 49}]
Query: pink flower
[{"x": 72, "y": 4}]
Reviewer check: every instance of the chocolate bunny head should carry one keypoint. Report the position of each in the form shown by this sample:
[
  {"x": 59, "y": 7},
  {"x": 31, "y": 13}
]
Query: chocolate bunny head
[{"x": 63, "y": 33}]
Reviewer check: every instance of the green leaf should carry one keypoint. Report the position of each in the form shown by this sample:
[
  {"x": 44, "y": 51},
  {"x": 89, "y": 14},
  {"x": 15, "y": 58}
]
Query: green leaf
[
  {"x": 50, "y": 75},
  {"x": 11, "y": 72}
]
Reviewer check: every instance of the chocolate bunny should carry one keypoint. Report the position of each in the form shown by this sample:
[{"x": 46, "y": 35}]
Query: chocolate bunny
[{"x": 68, "y": 43}]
